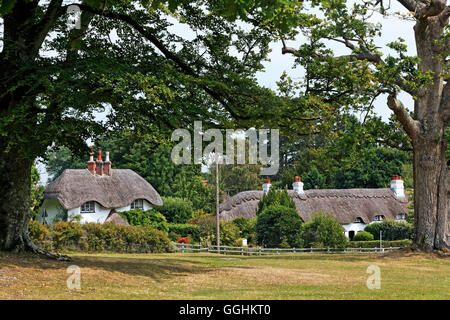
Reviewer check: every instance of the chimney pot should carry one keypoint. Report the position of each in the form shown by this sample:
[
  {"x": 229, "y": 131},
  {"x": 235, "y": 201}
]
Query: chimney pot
[
  {"x": 91, "y": 162},
  {"x": 107, "y": 165},
  {"x": 266, "y": 185},
  {"x": 298, "y": 186},
  {"x": 99, "y": 163},
  {"x": 397, "y": 186}
]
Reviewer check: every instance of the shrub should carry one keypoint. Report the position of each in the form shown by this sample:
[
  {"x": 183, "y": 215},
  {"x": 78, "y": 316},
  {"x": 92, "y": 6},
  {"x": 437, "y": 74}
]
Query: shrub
[
  {"x": 184, "y": 230},
  {"x": 99, "y": 237},
  {"x": 277, "y": 222},
  {"x": 176, "y": 210},
  {"x": 376, "y": 244},
  {"x": 363, "y": 236},
  {"x": 229, "y": 232},
  {"x": 275, "y": 197},
  {"x": 247, "y": 229},
  {"x": 324, "y": 231},
  {"x": 152, "y": 218},
  {"x": 391, "y": 230}
]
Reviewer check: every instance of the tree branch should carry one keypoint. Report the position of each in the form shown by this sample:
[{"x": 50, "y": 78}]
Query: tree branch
[
  {"x": 410, "y": 125},
  {"x": 434, "y": 8},
  {"x": 409, "y": 4},
  {"x": 42, "y": 28}
]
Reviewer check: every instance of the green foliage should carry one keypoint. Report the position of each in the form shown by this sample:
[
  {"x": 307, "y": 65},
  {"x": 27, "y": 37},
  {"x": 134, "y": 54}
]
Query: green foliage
[
  {"x": 376, "y": 244},
  {"x": 184, "y": 230},
  {"x": 391, "y": 230},
  {"x": 275, "y": 197},
  {"x": 247, "y": 229},
  {"x": 279, "y": 223},
  {"x": 313, "y": 179},
  {"x": 36, "y": 193},
  {"x": 323, "y": 231},
  {"x": 152, "y": 218},
  {"x": 229, "y": 232},
  {"x": 176, "y": 210},
  {"x": 92, "y": 237},
  {"x": 363, "y": 236}
]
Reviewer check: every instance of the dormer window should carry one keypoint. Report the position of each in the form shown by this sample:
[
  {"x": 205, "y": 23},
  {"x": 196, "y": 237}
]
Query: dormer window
[
  {"x": 378, "y": 218},
  {"x": 400, "y": 216},
  {"x": 137, "y": 204},
  {"x": 88, "y": 207},
  {"x": 359, "y": 220}
]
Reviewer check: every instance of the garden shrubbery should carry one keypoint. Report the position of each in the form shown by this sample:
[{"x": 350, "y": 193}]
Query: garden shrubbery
[
  {"x": 324, "y": 231},
  {"x": 72, "y": 236},
  {"x": 279, "y": 226},
  {"x": 363, "y": 236},
  {"x": 184, "y": 230},
  {"x": 391, "y": 230},
  {"x": 176, "y": 210},
  {"x": 151, "y": 218}
]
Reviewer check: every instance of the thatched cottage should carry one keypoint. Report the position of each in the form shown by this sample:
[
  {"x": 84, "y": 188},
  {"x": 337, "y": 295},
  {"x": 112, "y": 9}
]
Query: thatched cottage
[
  {"x": 353, "y": 208},
  {"x": 96, "y": 193}
]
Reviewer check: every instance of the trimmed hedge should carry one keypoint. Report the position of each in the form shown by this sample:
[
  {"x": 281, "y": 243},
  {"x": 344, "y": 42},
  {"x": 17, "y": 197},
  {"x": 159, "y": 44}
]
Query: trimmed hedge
[
  {"x": 363, "y": 236},
  {"x": 72, "y": 236},
  {"x": 151, "y": 218},
  {"x": 176, "y": 210},
  {"x": 376, "y": 244},
  {"x": 391, "y": 230},
  {"x": 184, "y": 230}
]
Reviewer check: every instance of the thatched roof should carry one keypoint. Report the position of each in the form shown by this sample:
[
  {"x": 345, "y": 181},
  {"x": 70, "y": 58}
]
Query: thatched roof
[
  {"x": 77, "y": 186},
  {"x": 115, "y": 218},
  {"x": 345, "y": 204}
]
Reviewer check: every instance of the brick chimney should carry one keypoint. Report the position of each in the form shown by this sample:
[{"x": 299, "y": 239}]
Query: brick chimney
[
  {"x": 107, "y": 165},
  {"x": 298, "y": 185},
  {"x": 91, "y": 162},
  {"x": 397, "y": 186},
  {"x": 99, "y": 163},
  {"x": 266, "y": 185}
]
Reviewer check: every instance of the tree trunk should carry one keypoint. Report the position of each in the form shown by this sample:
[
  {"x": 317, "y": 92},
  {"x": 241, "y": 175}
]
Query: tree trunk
[
  {"x": 430, "y": 165},
  {"x": 14, "y": 200}
]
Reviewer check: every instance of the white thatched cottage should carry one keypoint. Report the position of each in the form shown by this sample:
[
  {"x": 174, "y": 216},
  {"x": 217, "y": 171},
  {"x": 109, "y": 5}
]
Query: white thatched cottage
[
  {"x": 353, "y": 208},
  {"x": 96, "y": 193}
]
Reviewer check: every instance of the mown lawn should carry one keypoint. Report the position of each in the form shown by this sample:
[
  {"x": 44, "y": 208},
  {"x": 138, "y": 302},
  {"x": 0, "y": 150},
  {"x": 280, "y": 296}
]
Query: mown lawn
[{"x": 404, "y": 275}]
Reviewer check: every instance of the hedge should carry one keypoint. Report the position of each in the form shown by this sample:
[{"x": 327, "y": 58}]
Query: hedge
[
  {"x": 376, "y": 244},
  {"x": 176, "y": 210},
  {"x": 363, "y": 236},
  {"x": 152, "y": 218},
  {"x": 72, "y": 236},
  {"x": 184, "y": 230},
  {"x": 391, "y": 230}
]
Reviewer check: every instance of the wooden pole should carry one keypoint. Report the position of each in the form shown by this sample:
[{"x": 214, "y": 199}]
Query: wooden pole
[{"x": 217, "y": 204}]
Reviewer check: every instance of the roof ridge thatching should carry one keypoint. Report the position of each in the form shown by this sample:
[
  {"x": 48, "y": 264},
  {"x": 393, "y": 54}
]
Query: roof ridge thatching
[{"x": 77, "y": 186}]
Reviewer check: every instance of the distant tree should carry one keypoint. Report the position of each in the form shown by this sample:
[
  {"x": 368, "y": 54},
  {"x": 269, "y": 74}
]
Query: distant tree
[
  {"x": 323, "y": 231},
  {"x": 277, "y": 224},
  {"x": 275, "y": 197},
  {"x": 36, "y": 193},
  {"x": 313, "y": 179}
]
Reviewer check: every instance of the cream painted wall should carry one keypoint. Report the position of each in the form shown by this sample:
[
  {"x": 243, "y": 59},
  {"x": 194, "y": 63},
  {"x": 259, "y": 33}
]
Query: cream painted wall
[{"x": 54, "y": 208}]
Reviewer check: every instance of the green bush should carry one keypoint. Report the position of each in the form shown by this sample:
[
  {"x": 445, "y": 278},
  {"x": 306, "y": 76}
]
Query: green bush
[
  {"x": 152, "y": 218},
  {"x": 323, "y": 231},
  {"x": 73, "y": 236},
  {"x": 391, "y": 230},
  {"x": 247, "y": 228},
  {"x": 184, "y": 230},
  {"x": 279, "y": 224},
  {"x": 363, "y": 236},
  {"x": 275, "y": 197},
  {"x": 376, "y": 244},
  {"x": 229, "y": 232},
  {"x": 176, "y": 210}
]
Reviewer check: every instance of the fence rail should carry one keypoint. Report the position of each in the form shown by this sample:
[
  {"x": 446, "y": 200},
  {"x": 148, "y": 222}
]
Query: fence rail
[{"x": 191, "y": 248}]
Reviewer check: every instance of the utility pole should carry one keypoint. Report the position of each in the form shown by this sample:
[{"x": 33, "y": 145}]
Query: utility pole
[{"x": 217, "y": 204}]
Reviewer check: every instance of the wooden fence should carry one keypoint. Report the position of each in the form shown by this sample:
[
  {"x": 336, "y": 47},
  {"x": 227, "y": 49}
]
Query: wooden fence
[{"x": 190, "y": 248}]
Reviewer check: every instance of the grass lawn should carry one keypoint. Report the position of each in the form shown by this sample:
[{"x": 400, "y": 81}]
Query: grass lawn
[{"x": 404, "y": 275}]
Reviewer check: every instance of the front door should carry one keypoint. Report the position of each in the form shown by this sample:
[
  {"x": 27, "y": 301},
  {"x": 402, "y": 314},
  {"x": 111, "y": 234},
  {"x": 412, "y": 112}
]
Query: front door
[{"x": 351, "y": 234}]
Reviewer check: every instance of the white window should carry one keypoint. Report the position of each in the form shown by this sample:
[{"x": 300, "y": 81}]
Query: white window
[
  {"x": 400, "y": 216},
  {"x": 358, "y": 220},
  {"x": 378, "y": 218},
  {"x": 137, "y": 204},
  {"x": 88, "y": 207}
]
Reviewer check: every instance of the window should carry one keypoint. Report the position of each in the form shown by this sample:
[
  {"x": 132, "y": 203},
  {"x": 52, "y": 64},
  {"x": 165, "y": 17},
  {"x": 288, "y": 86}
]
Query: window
[
  {"x": 137, "y": 204},
  {"x": 88, "y": 207},
  {"x": 358, "y": 220},
  {"x": 378, "y": 218},
  {"x": 400, "y": 216}
]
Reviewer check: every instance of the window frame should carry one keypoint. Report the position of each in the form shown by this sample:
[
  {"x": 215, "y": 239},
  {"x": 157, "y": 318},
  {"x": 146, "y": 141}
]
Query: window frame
[
  {"x": 378, "y": 218},
  {"x": 134, "y": 206},
  {"x": 91, "y": 207}
]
